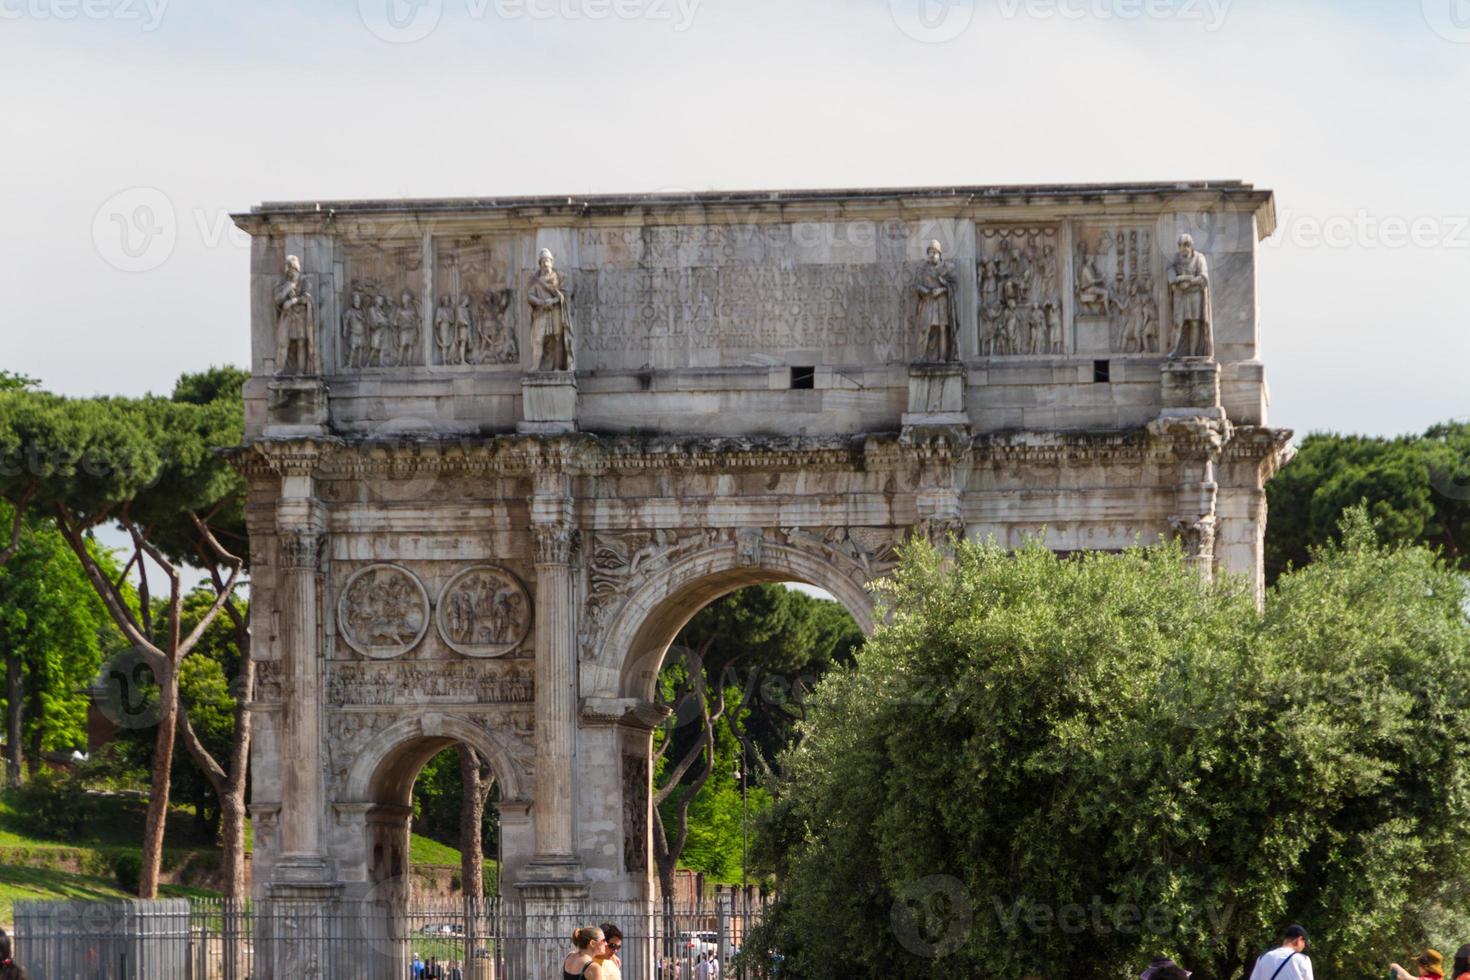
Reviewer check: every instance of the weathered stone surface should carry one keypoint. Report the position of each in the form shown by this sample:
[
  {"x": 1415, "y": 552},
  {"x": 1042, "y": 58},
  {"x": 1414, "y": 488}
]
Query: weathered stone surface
[{"x": 450, "y": 544}]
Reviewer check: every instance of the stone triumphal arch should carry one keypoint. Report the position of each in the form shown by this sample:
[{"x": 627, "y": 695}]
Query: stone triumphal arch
[{"x": 500, "y": 450}]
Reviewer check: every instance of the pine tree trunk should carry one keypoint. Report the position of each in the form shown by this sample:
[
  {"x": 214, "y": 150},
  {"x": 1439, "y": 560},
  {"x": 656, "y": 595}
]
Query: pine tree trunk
[
  {"x": 232, "y": 801},
  {"x": 471, "y": 822},
  {"x": 14, "y": 728},
  {"x": 163, "y": 757}
]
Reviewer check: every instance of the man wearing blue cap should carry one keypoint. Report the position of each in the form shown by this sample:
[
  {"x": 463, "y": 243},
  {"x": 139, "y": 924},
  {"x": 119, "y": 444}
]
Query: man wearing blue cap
[{"x": 1289, "y": 961}]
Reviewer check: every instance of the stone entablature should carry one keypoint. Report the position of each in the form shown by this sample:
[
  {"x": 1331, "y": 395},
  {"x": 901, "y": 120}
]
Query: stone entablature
[{"x": 791, "y": 311}]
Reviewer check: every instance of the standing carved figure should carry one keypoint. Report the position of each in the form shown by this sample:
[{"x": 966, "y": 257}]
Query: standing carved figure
[
  {"x": 354, "y": 332},
  {"x": 464, "y": 329},
  {"x": 552, "y": 337},
  {"x": 295, "y": 323},
  {"x": 379, "y": 320},
  {"x": 444, "y": 330},
  {"x": 406, "y": 325},
  {"x": 936, "y": 285},
  {"x": 1148, "y": 315},
  {"x": 1189, "y": 297}
]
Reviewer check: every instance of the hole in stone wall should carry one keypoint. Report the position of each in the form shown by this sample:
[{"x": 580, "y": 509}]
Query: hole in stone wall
[
  {"x": 803, "y": 378},
  {"x": 1102, "y": 371}
]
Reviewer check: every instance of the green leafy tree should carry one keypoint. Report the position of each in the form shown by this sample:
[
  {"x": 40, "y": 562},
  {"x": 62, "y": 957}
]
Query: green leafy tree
[
  {"x": 52, "y": 628},
  {"x": 1062, "y": 767},
  {"x": 150, "y": 466}
]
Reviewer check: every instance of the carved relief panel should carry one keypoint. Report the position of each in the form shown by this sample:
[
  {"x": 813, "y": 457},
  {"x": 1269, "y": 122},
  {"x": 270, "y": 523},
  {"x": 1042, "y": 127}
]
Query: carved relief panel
[
  {"x": 383, "y": 611},
  {"x": 1117, "y": 276},
  {"x": 475, "y": 315},
  {"x": 484, "y": 611},
  {"x": 1019, "y": 273},
  {"x": 635, "y": 813},
  {"x": 382, "y": 306}
]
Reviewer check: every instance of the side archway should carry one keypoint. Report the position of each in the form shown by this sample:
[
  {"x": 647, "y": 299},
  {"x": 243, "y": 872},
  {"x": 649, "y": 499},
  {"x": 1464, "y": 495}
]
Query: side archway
[{"x": 385, "y": 771}]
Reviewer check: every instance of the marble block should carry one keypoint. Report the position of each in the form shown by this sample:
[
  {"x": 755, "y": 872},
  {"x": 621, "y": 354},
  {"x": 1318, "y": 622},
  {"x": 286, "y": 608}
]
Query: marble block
[
  {"x": 1191, "y": 386},
  {"x": 548, "y": 403}
]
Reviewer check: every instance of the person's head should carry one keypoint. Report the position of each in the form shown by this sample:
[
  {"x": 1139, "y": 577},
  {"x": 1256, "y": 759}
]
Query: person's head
[
  {"x": 293, "y": 267},
  {"x": 1170, "y": 971},
  {"x": 612, "y": 938},
  {"x": 1295, "y": 937},
  {"x": 588, "y": 939},
  {"x": 1430, "y": 961},
  {"x": 9, "y": 969},
  {"x": 934, "y": 252},
  {"x": 545, "y": 259},
  {"x": 1462, "y": 961},
  {"x": 1186, "y": 245}
]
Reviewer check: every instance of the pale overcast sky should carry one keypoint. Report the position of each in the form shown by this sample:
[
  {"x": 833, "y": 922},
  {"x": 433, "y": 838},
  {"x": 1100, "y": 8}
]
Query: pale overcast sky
[{"x": 171, "y": 113}]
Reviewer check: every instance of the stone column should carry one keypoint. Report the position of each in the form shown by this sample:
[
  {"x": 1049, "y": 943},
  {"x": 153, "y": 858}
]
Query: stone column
[
  {"x": 555, "y": 861},
  {"x": 300, "y": 536}
]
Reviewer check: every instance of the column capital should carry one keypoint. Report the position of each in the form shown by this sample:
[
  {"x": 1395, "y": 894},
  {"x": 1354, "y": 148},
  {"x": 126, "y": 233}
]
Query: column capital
[
  {"x": 300, "y": 547},
  {"x": 554, "y": 543}
]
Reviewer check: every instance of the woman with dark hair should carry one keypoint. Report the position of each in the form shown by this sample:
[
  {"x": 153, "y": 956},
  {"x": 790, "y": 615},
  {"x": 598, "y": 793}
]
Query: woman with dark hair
[
  {"x": 9, "y": 970},
  {"x": 1461, "y": 969},
  {"x": 581, "y": 963}
]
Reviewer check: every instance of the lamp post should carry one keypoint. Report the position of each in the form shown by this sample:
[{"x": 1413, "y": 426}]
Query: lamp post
[{"x": 744, "y": 817}]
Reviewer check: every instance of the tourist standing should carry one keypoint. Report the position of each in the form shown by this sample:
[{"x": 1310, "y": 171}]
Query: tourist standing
[
  {"x": 1430, "y": 964},
  {"x": 1289, "y": 961},
  {"x": 581, "y": 963},
  {"x": 417, "y": 967},
  {"x": 611, "y": 959},
  {"x": 701, "y": 967}
]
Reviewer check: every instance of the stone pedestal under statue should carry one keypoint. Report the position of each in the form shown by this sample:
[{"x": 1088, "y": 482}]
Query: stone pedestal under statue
[
  {"x": 1191, "y": 387},
  {"x": 548, "y": 403},
  {"x": 296, "y": 406},
  {"x": 936, "y": 395}
]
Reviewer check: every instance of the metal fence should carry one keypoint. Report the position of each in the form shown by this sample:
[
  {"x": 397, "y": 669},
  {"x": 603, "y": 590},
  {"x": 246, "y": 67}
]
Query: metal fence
[{"x": 500, "y": 939}]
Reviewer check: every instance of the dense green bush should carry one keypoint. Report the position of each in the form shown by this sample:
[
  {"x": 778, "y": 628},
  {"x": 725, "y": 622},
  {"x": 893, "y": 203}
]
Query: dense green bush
[
  {"x": 127, "y": 867},
  {"x": 1048, "y": 767},
  {"x": 54, "y": 805}
]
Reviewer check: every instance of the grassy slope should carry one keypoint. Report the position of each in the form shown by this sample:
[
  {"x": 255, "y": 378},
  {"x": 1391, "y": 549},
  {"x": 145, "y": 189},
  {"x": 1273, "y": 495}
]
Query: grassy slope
[{"x": 32, "y": 866}]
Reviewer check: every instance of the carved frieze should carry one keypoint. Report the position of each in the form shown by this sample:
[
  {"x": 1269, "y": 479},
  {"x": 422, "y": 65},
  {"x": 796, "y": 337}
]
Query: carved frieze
[
  {"x": 382, "y": 313},
  {"x": 428, "y": 682},
  {"x": 615, "y": 560},
  {"x": 484, "y": 611},
  {"x": 1115, "y": 282},
  {"x": 474, "y": 316},
  {"x": 871, "y": 549},
  {"x": 383, "y": 611},
  {"x": 1018, "y": 272}
]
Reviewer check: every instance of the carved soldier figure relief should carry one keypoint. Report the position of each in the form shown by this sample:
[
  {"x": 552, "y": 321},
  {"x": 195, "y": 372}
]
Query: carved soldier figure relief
[
  {"x": 1020, "y": 291},
  {"x": 295, "y": 323},
  {"x": 379, "y": 322},
  {"x": 354, "y": 333},
  {"x": 552, "y": 337},
  {"x": 935, "y": 285},
  {"x": 444, "y": 331},
  {"x": 406, "y": 326},
  {"x": 1092, "y": 289},
  {"x": 1189, "y": 300}
]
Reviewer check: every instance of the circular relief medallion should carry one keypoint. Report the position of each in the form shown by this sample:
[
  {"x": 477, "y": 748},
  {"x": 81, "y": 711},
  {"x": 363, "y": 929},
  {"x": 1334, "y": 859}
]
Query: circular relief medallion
[
  {"x": 484, "y": 611},
  {"x": 383, "y": 612}
]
